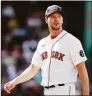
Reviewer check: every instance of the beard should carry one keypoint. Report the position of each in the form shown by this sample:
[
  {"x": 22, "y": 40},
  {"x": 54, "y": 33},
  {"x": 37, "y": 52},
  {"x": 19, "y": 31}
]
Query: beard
[{"x": 55, "y": 27}]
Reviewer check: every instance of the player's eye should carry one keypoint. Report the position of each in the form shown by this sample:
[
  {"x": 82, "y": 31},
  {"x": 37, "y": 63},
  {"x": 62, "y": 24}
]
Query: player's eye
[
  {"x": 56, "y": 17},
  {"x": 52, "y": 17}
]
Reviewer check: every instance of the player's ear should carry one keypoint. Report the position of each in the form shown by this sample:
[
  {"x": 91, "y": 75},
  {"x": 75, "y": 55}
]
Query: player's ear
[{"x": 46, "y": 20}]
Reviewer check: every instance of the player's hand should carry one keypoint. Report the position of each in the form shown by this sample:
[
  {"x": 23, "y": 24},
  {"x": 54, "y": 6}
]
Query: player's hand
[{"x": 9, "y": 86}]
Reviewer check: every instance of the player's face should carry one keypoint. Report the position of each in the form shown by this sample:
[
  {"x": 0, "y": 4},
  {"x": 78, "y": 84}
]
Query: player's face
[{"x": 55, "y": 21}]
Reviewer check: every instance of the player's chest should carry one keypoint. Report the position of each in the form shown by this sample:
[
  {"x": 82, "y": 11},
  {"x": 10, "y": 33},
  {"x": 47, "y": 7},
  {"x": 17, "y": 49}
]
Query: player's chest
[
  {"x": 56, "y": 50},
  {"x": 58, "y": 46}
]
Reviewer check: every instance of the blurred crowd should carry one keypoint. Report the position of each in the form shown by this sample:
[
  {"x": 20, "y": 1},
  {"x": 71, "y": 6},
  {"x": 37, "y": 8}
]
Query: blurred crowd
[{"x": 18, "y": 46}]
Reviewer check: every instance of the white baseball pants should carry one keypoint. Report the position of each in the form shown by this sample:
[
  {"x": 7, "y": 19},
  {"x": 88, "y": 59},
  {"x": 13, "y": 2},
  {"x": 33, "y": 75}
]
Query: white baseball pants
[{"x": 67, "y": 89}]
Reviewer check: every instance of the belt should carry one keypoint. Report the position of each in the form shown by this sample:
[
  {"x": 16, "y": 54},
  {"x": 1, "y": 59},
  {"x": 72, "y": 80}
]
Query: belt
[{"x": 52, "y": 86}]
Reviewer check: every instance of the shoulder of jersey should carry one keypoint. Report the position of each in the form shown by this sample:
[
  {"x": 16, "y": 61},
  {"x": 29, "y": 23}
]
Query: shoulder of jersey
[
  {"x": 42, "y": 41},
  {"x": 72, "y": 38}
]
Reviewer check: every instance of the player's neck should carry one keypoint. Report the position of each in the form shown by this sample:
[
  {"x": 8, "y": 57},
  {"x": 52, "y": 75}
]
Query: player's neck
[{"x": 54, "y": 33}]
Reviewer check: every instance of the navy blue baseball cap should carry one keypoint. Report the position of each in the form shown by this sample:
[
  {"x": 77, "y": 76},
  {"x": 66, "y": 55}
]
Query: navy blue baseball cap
[{"x": 54, "y": 8}]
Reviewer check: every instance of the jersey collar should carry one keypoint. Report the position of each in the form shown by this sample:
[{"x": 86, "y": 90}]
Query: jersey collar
[{"x": 55, "y": 39}]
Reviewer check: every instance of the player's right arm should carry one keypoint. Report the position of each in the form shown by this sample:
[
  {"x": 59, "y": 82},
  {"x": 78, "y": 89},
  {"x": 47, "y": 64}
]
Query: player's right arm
[{"x": 29, "y": 73}]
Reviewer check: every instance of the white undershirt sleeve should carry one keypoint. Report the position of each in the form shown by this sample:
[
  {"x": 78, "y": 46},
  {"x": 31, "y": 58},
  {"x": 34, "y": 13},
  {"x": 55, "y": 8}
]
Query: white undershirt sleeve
[{"x": 76, "y": 52}]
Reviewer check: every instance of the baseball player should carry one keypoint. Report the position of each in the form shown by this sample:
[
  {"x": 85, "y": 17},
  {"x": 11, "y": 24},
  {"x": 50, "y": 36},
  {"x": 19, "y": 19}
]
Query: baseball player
[{"x": 61, "y": 58}]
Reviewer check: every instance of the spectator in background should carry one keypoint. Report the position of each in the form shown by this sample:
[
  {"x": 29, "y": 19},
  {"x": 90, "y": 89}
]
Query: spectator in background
[
  {"x": 21, "y": 63},
  {"x": 4, "y": 73},
  {"x": 10, "y": 62},
  {"x": 16, "y": 51},
  {"x": 29, "y": 46}
]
